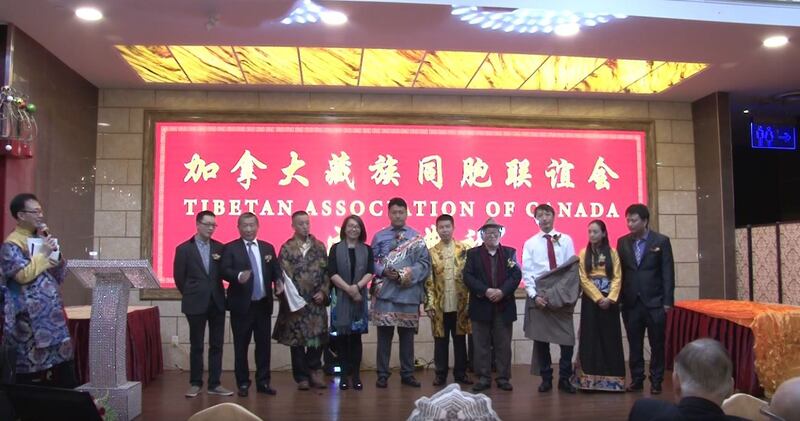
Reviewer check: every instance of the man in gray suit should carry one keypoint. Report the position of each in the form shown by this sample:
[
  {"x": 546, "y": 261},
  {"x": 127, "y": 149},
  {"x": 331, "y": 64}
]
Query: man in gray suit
[
  {"x": 648, "y": 291},
  {"x": 199, "y": 280}
]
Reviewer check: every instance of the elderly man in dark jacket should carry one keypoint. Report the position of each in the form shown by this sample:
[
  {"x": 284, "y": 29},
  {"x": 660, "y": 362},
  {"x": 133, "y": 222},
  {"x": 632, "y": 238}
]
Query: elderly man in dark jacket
[{"x": 492, "y": 274}]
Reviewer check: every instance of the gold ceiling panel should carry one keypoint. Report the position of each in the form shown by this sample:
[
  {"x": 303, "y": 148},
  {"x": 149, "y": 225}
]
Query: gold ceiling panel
[
  {"x": 390, "y": 68},
  {"x": 208, "y": 64},
  {"x": 153, "y": 63},
  {"x": 506, "y": 71},
  {"x": 562, "y": 73},
  {"x": 665, "y": 76},
  {"x": 615, "y": 75},
  {"x": 448, "y": 69},
  {"x": 330, "y": 66},
  {"x": 269, "y": 65}
]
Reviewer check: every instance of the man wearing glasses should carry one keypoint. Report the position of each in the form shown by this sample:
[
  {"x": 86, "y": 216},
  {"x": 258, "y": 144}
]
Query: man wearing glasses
[
  {"x": 492, "y": 275},
  {"x": 35, "y": 326},
  {"x": 199, "y": 279}
]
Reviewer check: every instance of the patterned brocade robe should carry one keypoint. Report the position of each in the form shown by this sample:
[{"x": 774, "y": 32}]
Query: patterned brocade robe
[
  {"x": 435, "y": 289},
  {"x": 309, "y": 325}
]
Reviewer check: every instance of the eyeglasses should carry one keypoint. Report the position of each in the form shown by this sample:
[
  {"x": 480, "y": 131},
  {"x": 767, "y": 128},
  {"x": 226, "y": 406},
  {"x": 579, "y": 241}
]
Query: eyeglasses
[
  {"x": 765, "y": 411},
  {"x": 209, "y": 224},
  {"x": 491, "y": 234},
  {"x": 33, "y": 211}
]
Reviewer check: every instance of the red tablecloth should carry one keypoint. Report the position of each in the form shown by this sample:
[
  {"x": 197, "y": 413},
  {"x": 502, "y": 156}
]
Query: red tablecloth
[
  {"x": 144, "y": 359},
  {"x": 684, "y": 326}
]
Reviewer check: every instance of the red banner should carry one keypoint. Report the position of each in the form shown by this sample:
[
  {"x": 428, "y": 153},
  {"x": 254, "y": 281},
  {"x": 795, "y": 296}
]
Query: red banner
[{"x": 333, "y": 170}]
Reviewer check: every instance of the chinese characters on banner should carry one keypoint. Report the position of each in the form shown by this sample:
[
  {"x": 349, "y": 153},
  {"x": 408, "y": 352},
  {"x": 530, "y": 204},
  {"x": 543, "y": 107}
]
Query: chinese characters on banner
[{"x": 331, "y": 171}]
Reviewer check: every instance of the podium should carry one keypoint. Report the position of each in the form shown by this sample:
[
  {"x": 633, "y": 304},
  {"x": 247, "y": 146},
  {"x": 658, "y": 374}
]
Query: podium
[{"x": 111, "y": 281}]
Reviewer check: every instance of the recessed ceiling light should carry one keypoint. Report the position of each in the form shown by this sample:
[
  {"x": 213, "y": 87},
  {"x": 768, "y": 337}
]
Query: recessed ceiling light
[
  {"x": 333, "y": 17},
  {"x": 531, "y": 21},
  {"x": 90, "y": 14},
  {"x": 567, "y": 29},
  {"x": 103, "y": 124},
  {"x": 306, "y": 11},
  {"x": 746, "y": 111},
  {"x": 776, "y": 41}
]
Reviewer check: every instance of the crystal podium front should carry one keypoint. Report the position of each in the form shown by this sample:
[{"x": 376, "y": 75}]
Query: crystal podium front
[{"x": 111, "y": 281}]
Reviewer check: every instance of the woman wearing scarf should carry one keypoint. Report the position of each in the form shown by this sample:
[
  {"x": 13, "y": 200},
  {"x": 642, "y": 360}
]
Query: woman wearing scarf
[{"x": 350, "y": 266}]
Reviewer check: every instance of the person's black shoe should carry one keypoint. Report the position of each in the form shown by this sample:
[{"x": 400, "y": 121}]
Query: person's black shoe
[
  {"x": 565, "y": 386},
  {"x": 655, "y": 389},
  {"x": 636, "y": 386},
  {"x": 439, "y": 380},
  {"x": 357, "y": 383},
  {"x": 410, "y": 381},
  {"x": 343, "y": 384},
  {"x": 382, "y": 383},
  {"x": 242, "y": 391},
  {"x": 464, "y": 380},
  {"x": 480, "y": 387},
  {"x": 264, "y": 388},
  {"x": 546, "y": 386},
  {"x": 505, "y": 386}
]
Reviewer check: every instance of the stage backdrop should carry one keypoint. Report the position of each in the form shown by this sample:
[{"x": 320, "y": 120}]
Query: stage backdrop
[{"x": 333, "y": 170}]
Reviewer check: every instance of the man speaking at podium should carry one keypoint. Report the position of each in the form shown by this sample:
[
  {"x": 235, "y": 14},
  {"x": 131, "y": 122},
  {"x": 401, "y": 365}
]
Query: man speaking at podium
[{"x": 35, "y": 327}]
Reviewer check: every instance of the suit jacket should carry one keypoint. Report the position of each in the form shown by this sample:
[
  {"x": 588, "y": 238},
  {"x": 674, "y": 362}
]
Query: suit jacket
[
  {"x": 197, "y": 286},
  {"x": 654, "y": 278},
  {"x": 234, "y": 260},
  {"x": 476, "y": 276},
  {"x": 688, "y": 409}
]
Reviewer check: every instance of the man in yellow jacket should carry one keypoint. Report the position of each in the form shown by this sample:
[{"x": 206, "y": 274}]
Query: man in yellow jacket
[{"x": 446, "y": 300}]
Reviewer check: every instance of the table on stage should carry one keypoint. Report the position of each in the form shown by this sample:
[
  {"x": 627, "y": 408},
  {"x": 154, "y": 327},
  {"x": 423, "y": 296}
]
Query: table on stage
[
  {"x": 763, "y": 340},
  {"x": 144, "y": 359}
]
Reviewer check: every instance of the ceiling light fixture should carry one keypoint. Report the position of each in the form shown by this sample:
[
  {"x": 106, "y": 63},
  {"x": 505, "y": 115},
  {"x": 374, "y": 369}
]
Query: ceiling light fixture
[
  {"x": 306, "y": 11},
  {"x": 563, "y": 23},
  {"x": 90, "y": 14},
  {"x": 746, "y": 111},
  {"x": 567, "y": 29},
  {"x": 776, "y": 41}
]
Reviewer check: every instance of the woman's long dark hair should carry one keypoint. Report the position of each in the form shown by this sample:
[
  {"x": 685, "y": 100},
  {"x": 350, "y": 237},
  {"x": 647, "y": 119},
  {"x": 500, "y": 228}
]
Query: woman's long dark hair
[
  {"x": 361, "y": 237},
  {"x": 592, "y": 257}
]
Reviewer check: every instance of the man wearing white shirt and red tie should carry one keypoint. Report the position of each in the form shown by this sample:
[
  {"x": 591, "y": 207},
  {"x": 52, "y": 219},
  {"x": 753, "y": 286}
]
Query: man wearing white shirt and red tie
[{"x": 541, "y": 253}]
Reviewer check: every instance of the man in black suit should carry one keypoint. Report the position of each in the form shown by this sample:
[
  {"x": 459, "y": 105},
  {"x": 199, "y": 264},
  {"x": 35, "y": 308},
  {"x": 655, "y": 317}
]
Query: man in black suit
[
  {"x": 492, "y": 275},
  {"x": 648, "y": 288},
  {"x": 702, "y": 379},
  {"x": 197, "y": 276},
  {"x": 251, "y": 266}
]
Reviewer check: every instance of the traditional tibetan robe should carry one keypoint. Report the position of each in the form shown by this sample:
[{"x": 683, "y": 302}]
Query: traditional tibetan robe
[
  {"x": 305, "y": 263},
  {"x": 396, "y": 303},
  {"x": 554, "y": 323}
]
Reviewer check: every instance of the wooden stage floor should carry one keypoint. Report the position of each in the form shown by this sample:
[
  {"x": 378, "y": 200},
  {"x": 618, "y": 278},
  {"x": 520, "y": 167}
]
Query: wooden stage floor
[{"x": 163, "y": 399}]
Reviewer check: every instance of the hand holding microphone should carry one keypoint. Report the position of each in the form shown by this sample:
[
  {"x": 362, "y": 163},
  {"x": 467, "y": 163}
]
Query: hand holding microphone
[{"x": 50, "y": 243}]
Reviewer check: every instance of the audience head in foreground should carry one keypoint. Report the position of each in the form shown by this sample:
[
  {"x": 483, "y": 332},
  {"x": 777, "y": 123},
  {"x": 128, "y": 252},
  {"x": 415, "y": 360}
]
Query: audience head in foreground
[
  {"x": 785, "y": 404},
  {"x": 702, "y": 379},
  {"x": 703, "y": 370}
]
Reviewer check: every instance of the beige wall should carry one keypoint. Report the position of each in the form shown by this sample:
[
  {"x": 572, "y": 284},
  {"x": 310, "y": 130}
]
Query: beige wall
[{"x": 118, "y": 194}]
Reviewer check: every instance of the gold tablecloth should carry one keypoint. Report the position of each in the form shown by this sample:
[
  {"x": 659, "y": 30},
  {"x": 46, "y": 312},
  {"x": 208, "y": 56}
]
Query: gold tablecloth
[{"x": 776, "y": 328}]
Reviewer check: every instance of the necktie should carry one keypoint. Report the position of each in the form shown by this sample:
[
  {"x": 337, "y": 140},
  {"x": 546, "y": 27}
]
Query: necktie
[
  {"x": 258, "y": 286},
  {"x": 551, "y": 251},
  {"x": 638, "y": 250}
]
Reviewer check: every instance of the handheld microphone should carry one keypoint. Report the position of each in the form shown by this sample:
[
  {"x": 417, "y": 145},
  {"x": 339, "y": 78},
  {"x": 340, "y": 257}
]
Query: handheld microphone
[
  {"x": 46, "y": 233},
  {"x": 43, "y": 230}
]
